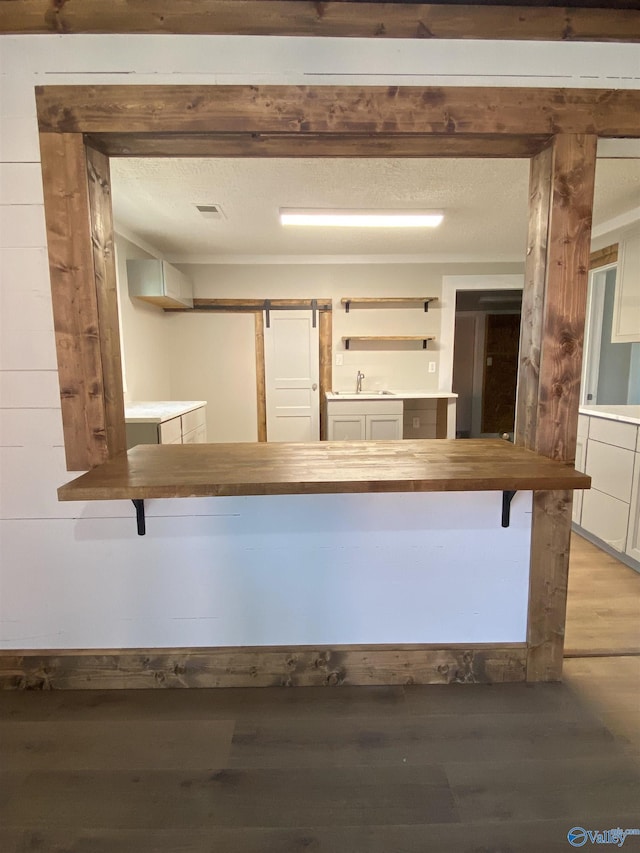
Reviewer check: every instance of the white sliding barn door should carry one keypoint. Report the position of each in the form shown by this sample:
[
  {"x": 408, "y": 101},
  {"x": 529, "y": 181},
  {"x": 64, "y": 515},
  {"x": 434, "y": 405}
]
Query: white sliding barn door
[{"x": 292, "y": 373}]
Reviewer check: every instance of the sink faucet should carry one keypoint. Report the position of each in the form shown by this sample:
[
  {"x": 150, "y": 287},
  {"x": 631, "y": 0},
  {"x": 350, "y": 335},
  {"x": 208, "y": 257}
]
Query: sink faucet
[{"x": 359, "y": 379}]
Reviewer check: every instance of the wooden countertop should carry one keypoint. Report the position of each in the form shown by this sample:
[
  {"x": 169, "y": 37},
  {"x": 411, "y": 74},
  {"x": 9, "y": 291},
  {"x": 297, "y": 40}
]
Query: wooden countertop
[{"x": 434, "y": 465}]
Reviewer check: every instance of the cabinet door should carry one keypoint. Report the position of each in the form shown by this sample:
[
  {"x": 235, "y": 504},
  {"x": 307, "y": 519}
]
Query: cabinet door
[
  {"x": 633, "y": 539},
  {"x": 626, "y": 309},
  {"x": 605, "y": 517},
  {"x": 383, "y": 427},
  {"x": 346, "y": 427}
]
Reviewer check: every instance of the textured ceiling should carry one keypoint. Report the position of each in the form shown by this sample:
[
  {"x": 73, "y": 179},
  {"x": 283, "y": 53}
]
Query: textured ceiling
[{"x": 485, "y": 204}]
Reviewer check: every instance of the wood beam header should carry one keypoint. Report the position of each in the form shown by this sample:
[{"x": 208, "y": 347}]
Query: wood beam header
[
  {"x": 449, "y": 112},
  {"x": 347, "y": 18}
]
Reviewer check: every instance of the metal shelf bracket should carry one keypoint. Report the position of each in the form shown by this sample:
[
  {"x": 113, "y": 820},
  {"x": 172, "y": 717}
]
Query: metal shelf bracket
[
  {"x": 507, "y": 497},
  {"x": 140, "y": 519}
]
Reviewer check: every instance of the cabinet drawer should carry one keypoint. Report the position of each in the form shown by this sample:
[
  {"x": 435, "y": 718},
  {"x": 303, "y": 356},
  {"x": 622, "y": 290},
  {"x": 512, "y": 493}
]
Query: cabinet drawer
[
  {"x": 364, "y": 407},
  {"x": 196, "y": 436},
  {"x": 611, "y": 469},
  {"x": 605, "y": 517},
  {"x": 193, "y": 420},
  {"x": 613, "y": 432},
  {"x": 170, "y": 432}
]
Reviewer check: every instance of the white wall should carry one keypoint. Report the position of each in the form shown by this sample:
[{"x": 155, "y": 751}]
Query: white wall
[
  {"x": 214, "y": 359},
  {"x": 212, "y": 571},
  {"x": 146, "y": 356}
]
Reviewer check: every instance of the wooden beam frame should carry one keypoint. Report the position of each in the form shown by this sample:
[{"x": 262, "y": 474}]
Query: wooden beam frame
[
  {"x": 262, "y": 666},
  {"x": 501, "y": 19},
  {"x": 558, "y": 128}
]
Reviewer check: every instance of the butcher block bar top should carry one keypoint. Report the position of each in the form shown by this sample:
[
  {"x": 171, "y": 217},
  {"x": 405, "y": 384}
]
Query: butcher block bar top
[{"x": 434, "y": 465}]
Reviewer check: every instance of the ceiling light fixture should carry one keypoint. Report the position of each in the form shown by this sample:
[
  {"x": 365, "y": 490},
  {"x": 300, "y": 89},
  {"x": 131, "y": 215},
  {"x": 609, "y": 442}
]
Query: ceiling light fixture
[{"x": 362, "y": 218}]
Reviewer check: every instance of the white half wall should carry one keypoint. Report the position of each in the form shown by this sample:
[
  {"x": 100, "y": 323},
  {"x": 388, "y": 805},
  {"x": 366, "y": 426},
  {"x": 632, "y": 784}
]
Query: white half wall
[{"x": 277, "y": 570}]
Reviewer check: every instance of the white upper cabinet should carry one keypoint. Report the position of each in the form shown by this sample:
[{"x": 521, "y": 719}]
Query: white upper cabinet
[
  {"x": 158, "y": 282},
  {"x": 626, "y": 310}
]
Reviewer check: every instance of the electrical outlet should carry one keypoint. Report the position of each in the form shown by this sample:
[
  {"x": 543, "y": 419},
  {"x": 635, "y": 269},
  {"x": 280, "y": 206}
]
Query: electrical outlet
[
  {"x": 416, "y": 423},
  {"x": 432, "y": 367},
  {"x": 339, "y": 359}
]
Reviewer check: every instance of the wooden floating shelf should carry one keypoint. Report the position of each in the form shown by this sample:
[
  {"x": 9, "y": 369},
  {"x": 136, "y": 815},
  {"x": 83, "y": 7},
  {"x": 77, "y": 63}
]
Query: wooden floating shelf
[
  {"x": 322, "y": 467},
  {"x": 388, "y": 302},
  {"x": 346, "y": 340}
]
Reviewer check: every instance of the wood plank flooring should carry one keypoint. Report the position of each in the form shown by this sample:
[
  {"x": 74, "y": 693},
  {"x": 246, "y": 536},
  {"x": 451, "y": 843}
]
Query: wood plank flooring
[
  {"x": 506, "y": 768},
  {"x": 603, "y": 604}
]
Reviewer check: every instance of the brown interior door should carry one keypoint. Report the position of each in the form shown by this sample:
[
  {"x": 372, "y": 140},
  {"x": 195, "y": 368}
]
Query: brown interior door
[{"x": 502, "y": 337}]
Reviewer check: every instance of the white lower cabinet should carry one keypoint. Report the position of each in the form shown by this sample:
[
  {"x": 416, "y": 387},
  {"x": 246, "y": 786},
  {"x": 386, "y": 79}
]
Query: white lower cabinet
[
  {"x": 354, "y": 420},
  {"x": 606, "y": 449},
  {"x": 188, "y": 428},
  {"x": 605, "y": 517}
]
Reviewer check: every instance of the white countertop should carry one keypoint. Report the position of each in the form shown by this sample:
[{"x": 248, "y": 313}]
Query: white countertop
[
  {"x": 393, "y": 395},
  {"x": 627, "y": 414},
  {"x": 158, "y": 411}
]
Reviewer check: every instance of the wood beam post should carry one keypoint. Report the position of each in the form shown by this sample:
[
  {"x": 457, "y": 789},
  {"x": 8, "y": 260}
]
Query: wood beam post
[
  {"x": 261, "y": 384},
  {"x": 75, "y": 305},
  {"x": 553, "y": 315},
  {"x": 325, "y": 323},
  {"x": 106, "y": 285}
]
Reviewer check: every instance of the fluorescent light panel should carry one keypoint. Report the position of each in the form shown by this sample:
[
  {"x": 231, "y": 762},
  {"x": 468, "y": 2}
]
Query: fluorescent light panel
[{"x": 362, "y": 218}]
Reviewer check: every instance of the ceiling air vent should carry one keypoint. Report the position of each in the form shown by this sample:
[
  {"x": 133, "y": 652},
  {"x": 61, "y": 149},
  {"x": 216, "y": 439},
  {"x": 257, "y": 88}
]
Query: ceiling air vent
[{"x": 211, "y": 211}]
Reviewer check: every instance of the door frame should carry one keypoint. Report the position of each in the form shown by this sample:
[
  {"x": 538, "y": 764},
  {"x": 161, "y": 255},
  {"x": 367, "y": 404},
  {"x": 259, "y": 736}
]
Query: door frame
[{"x": 81, "y": 127}]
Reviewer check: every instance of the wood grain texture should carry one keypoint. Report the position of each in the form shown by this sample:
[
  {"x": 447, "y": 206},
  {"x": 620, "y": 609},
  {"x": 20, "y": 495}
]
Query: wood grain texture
[
  {"x": 387, "y": 301},
  {"x": 336, "y": 19},
  {"x": 567, "y": 273},
  {"x": 102, "y": 240},
  {"x": 554, "y": 302},
  {"x": 540, "y": 178},
  {"x": 325, "y": 335},
  {"x": 548, "y": 573},
  {"x": 388, "y": 338},
  {"x": 603, "y": 604},
  {"x": 330, "y": 467},
  {"x": 299, "y": 110},
  {"x": 262, "y": 666},
  {"x": 314, "y": 145},
  {"x": 442, "y": 415},
  {"x": 75, "y": 305},
  {"x": 608, "y": 255},
  {"x": 261, "y": 382}
]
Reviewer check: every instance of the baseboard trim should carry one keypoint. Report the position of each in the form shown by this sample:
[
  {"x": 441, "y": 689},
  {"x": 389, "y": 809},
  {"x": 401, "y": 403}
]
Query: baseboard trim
[{"x": 260, "y": 666}]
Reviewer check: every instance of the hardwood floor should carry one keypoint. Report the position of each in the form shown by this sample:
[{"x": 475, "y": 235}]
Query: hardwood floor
[
  {"x": 603, "y": 604},
  {"x": 451, "y": 769}
]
